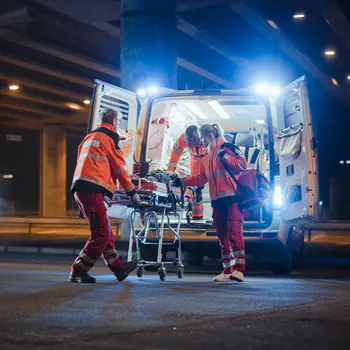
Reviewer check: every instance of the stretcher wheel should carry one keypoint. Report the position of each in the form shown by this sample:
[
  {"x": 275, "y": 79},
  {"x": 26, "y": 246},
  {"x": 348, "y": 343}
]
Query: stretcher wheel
[
  {"x": 139, "y": 271},
  {"x": 162, "y": 273},
  {"x": 180, "y": 272},
  {"x": 188, "y": 217}
]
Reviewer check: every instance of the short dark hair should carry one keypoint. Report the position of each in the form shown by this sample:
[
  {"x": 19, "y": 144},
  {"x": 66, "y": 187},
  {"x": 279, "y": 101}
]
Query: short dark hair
[
  {"x": 191, "y": 130},
  {"x": 108, "y": 115}
]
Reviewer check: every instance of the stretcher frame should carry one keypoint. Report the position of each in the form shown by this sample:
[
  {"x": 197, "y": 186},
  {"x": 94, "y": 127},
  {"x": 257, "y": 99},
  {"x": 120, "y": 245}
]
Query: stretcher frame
[{"x": 159, "y": 214}]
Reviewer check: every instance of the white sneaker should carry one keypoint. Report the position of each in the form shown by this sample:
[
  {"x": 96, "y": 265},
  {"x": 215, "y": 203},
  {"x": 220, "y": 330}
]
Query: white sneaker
[
  {"x": 237, "y": 276},
  {"x": 223, "y": 277}
]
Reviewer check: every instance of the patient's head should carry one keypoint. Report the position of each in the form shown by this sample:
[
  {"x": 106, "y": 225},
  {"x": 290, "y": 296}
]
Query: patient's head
[{"x": 192, "y": 136}]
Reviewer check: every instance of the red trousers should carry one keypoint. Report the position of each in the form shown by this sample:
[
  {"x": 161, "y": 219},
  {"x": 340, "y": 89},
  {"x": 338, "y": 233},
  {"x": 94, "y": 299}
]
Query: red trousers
[
  {"x": 101, "y": 241},
  {"x": 228, "y": 221}
]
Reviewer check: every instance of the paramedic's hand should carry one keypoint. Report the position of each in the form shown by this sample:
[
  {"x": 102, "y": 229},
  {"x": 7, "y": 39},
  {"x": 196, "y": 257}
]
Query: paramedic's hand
[
  {"x": 107, "y": 200},
  {"x": 172, "y": 174},
  {"x": 135, "y": 199}
]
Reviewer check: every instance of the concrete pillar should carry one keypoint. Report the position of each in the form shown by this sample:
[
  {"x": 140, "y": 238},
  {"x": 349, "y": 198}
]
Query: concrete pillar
[
  {"x": 53, "y": 171},
  {"x": 148, "y": 50}
]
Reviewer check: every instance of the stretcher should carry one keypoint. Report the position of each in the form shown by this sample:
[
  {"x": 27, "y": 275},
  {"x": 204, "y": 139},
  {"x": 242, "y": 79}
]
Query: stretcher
[{"x": 158, "y": 206}]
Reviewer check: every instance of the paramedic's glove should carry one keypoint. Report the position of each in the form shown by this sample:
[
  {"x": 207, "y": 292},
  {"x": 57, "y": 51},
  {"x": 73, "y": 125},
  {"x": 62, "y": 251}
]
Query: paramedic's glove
[
  {"x": 107, "y": 200},
  {"x": 135, "y": 199},
  {"x": 172, "y": 174},
  {"x": 177, "y": 182}
]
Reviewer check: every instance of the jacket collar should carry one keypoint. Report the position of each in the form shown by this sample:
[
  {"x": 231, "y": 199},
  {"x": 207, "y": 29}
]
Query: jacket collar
[{"x": 107, "y": 126}]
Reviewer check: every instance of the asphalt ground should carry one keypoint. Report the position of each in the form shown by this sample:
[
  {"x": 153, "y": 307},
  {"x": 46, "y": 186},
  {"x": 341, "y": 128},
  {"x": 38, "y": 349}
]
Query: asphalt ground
[{"x": 309, "y": 309}]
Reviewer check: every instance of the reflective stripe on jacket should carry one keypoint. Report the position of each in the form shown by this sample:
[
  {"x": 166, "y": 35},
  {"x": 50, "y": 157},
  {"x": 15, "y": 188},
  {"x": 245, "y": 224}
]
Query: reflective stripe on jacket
[
  {"x": 197, "y": 155},
  {"x": 101, "y": 163},
  {"x": 221, "y": 186}
]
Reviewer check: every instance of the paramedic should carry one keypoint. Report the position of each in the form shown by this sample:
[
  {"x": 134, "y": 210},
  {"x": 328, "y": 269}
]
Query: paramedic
[
  {"x": 228, "y": 218},
  {"x": 100, "y": 164},
  {"x": 191, "y": 140}
]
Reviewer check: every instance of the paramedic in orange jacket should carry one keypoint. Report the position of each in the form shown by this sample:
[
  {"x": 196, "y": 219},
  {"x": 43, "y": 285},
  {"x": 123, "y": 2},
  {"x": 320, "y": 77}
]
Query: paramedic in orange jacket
[
  {"x": 228, "y": 218},
  {"x": 100, "y": 164},
  {"x": 190, "y": 139}
]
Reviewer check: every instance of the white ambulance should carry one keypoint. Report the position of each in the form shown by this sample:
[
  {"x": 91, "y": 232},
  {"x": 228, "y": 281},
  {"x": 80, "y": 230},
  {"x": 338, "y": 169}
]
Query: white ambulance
[{"x": 272, "y": 127}]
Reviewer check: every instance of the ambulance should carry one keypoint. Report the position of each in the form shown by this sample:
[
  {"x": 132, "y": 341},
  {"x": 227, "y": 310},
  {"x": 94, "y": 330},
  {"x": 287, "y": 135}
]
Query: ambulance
[{"x": 274, "y": 129}]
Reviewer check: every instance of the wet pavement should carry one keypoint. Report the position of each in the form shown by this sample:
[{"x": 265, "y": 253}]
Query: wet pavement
[{"x": 40, "y": 309}]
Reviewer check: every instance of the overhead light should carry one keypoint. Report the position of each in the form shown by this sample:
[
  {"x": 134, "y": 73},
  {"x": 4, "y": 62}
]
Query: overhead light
[
  {"x": 348, "y": 77},
  {"x": 329, "y": 52},
  {"x": 260, "y": 121},
  {"x": 219, "y": 109},
  {"x": 153, "y": 89},
  {"x": 335, "y": 81},
  {"x": 321, "y": 203},
  {"x": 299, "y": 15},
  {"x": 7, "y": 176},
  {"x": 273, "y": 24},
  {"x": 73, "y": 106},
  {"x": 196, "y": 110},
  {"x": 341, "y": 162},
  {"x": 86, "y": 102},
  {"x": 13, "y": 87},
  {"x": 142, "y": 93},
  {"x": 348, "y": 162}
]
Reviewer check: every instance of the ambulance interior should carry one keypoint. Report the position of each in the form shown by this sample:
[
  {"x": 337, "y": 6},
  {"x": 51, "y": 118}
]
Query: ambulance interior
[{"x": 243, "y": 119}]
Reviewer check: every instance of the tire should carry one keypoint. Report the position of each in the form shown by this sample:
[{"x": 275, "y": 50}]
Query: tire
[
  {"x": 298, "y": 256},
  {"x": 180, "y": 272},
  {"x": 284, "y": 267},
  {"x": 139, "y": 271},
  {"x": 162, "y": 273}
]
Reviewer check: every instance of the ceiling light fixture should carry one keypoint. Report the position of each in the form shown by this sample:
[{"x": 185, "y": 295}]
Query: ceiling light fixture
[
  {"x": 86, "y": 102},
  {"x": 219, "y": 109},
  {"x": 299, "y": 15},
  {"x": 260, "y": 121},
  {"x": 13, "y": 87},
  {"x": 73, "y": 106},
  {"x": 335, "y": 81},
  {"x": 329, "y": 53},
  {"x": 196, "y": 110}
]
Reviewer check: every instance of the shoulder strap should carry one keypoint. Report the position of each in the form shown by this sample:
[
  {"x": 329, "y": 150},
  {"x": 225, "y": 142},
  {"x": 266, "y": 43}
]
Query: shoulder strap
[
  {"x": 113, "y": 135},
  {"x": 229, "y": 171}
]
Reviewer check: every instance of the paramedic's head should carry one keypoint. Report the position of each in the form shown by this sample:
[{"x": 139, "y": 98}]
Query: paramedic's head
[
  {"x": 210, "y": 132},
  {"x": 110, "y": 116},
  {"x": 192, "y": 136}
]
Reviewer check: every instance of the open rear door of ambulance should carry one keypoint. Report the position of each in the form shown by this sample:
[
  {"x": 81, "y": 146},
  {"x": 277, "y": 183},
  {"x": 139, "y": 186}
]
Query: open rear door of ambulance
[
  {"x": 295, "y": 146},
  {"x": 109, "y": 96}
]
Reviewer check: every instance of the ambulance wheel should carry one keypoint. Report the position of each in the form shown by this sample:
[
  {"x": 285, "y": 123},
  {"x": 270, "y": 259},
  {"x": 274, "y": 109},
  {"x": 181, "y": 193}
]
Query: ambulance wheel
[
  {"x": 284, "y": 267},
  {"x": 162, "y": 273},
  {"x": 139, "y": 271},
  {"x": 180, "y": 272}
]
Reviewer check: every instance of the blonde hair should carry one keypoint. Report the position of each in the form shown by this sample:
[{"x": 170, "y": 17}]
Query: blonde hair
[{"x": 216, "y": 129}]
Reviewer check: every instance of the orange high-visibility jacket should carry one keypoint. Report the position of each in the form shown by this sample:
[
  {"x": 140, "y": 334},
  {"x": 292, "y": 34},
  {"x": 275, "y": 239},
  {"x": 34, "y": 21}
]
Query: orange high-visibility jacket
[
  {"x": 197, "y": 155},
  {"x": 221, "y": 185},
  {"x": 101, "y": 162}
]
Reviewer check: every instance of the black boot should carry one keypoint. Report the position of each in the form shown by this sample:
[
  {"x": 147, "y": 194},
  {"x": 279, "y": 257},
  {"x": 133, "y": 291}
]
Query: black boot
[
  {"x": 123, "y": 272},
  {"x": 81, "y": 277}
]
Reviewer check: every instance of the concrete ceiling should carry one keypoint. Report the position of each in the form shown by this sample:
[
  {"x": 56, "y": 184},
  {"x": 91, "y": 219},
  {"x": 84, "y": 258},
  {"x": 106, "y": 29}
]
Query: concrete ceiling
[{"x": 54, "y": 50}]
